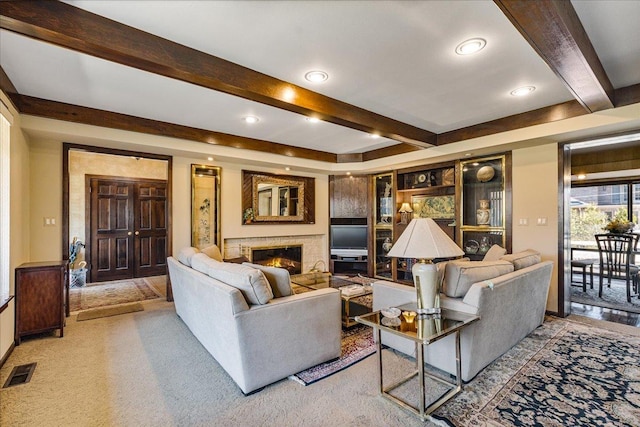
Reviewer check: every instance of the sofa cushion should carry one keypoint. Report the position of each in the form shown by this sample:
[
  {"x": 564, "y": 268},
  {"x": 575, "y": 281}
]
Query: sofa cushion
[
  {"x": 202, "y": 263},
  {"x": 250, "y": 281},
  {"x": 185, "y": 254},
  {"x": 278, "y": 278},
  {"x": 212, "y": 252},
  {"x": 460, "y": 275},
  {"x": 523, "y": 259},
  {"x": 494, "y": 253}
]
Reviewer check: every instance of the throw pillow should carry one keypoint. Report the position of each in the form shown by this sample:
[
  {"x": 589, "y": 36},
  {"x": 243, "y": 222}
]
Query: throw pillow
[
  {"x": 212, "y": 252},
  {"x": 459, "y": 276},
  {"x": 494, "y": 253},
  {"x": 250, "y": 281},
  {"x": 278, "y": 278},
  {"x": 523, "y": 259},
  {"x": 185, "y": 254}
]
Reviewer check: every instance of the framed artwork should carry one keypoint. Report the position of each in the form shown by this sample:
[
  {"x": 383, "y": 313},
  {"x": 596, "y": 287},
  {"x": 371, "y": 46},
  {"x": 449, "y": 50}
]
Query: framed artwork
[
  {"x": 205, "y": 206},
  {"x": 435, "y": 207}
]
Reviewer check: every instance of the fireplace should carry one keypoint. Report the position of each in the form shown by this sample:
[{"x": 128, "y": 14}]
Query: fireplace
[{"x": 289, "y": 257}]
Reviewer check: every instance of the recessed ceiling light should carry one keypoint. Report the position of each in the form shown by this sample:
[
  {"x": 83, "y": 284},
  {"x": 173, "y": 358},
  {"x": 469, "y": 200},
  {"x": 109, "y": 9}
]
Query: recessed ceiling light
[
  {"x": 582, "y": 176},
  {"x": 522, "y": 91},
  {"x": 348, "y": 173},
  {"x": 313, "y": 119},
  {"x": 251, "y": 119},
  {"x": 470, "y": 46},
  {"x": 316, "y": 76},
  {"x": 210, "y": 159},
  {"x": 467, "y": 154},
  {"x": 374, "y": 135},
  {"x": 475, "y": 164},
  {"x": 287, "y": 168}
]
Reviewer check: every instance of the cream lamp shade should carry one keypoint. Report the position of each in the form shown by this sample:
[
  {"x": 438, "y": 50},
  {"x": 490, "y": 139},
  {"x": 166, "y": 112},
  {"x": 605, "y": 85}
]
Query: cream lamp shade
[
  {"x": 405, "y": 208},
  {"x": 425, "y": 240}
]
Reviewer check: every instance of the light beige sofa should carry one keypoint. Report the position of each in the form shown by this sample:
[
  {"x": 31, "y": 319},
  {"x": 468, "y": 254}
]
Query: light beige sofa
[
  {"x": 509, "y": 295},
  {"x": 256, "y": 338}
]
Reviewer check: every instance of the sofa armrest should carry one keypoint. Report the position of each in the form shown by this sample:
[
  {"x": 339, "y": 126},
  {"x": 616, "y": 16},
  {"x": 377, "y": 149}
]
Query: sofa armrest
[
  {"x": 391, "y": 294},
  {"x": 288, "y": 335}
]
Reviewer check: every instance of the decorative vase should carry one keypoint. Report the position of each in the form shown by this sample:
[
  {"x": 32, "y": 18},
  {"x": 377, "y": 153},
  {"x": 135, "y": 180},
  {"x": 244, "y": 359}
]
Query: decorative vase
[{"x": 483, "y": 216}]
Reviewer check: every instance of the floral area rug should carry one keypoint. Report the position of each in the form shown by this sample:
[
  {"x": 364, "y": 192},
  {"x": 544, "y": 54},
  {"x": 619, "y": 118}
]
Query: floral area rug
[
  {"x": 562, "y": 374},
  {"x": 614, "y": 297},
  {"x": 357, "y": 344},
  {"x": 111, "y": 293}
]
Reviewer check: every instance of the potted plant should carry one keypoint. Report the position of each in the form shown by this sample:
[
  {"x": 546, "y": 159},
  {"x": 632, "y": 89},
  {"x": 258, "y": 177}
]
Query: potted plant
[
  {"x": 619, "y": 226},
  {"x": 77, "y": 276},
  {"x": 247, "y": 216}
]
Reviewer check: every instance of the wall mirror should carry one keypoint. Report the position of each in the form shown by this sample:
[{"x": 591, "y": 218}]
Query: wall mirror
[
  {"x": 277, "y": 199},
  {"x": 205, "y": 206}
]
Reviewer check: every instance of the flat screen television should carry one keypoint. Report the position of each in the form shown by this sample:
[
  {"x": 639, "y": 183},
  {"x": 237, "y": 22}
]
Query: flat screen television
[{"x": 349, "y": 240}]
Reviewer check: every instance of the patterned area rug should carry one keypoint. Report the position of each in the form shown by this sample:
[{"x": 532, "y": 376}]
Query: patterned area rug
[
  {"x": 111, "y": 293},
  {"x": 357, "y": 344},
  {"x": 614, "y": 297},
  {"x": 562, "y": 374}
]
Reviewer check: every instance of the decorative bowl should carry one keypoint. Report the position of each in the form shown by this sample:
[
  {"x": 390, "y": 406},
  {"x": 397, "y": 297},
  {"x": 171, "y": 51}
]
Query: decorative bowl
[
  {"x": 390, "y": 312},
  {"x": 391, "y": 322}
]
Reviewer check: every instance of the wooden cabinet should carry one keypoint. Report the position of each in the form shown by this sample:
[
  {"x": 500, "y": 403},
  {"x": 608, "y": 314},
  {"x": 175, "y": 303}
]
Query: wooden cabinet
[
  {"x": 349, "y": 196},
  {"x": 40, "y": 298},
  {"x": 427, "y": 192},
  {"x": 384, "y": 209},
  {"x": 485, "y": 204}
]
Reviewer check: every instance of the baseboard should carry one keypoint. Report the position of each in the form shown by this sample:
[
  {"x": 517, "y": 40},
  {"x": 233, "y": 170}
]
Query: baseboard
[{"x": 7, "y": 354}]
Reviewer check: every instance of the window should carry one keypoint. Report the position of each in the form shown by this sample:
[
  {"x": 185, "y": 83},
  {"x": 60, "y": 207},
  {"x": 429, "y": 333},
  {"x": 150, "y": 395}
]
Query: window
[
  {"x": 5, "y": 191},
  {"x": 593, "y": 206}
]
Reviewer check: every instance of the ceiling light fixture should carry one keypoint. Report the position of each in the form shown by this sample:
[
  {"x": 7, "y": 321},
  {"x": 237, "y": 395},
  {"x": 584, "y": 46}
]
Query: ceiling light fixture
[
  {"x": 287, "y": 168},
  {"x": 522, "y": 91},
  {"x": 374, "y": 135},
  {"x": 251, "y": 119},
  {"x": 316, "y": 76},
  {"x": 313, "y": 119},
  {"x": 470, "y": 46},
  {"x": 210, "y": 159},
  {"x": 582, "y": 176}
]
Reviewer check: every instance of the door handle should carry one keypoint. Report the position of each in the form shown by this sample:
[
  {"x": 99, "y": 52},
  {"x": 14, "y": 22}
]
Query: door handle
[
  {"x": 129, "y": 233},
  {"x": 137, "y": 232}
]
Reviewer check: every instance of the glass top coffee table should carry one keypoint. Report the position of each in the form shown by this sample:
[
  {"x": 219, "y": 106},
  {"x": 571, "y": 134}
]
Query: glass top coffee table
[
  {"x": 351, "y": 293},
  {"x": 422, "y": 330}
]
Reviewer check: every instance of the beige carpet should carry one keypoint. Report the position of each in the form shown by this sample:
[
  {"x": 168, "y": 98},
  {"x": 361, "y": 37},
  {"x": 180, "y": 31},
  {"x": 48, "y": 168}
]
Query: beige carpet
[
  {"x": 147, "y": 369},
  {"x": 116, "y": 292}
]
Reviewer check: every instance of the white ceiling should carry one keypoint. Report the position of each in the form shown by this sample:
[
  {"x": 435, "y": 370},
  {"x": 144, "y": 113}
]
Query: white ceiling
[{"x": 395, "y": 58}]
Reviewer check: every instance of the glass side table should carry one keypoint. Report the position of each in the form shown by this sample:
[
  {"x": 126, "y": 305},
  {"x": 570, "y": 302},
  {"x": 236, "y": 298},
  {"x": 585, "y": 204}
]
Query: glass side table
[{"x": 422, "y": 330}]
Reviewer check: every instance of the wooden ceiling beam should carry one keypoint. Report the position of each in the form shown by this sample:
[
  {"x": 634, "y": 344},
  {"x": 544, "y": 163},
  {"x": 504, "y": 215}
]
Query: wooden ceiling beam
[
  {"x": 74, "y": 28},
  {"x": 565, "y": 110},
  {"x": 553, "y": 29},
  {"x": 91, "y": 116}
]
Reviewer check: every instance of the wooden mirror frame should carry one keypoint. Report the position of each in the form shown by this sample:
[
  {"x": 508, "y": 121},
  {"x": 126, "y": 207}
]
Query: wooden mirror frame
[
  {"x": 306, "y": 198},
  {"x": 205, "y": 206}
]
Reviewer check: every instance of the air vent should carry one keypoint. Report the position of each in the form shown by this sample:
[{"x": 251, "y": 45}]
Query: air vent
[{"x": 20, "y": 375}]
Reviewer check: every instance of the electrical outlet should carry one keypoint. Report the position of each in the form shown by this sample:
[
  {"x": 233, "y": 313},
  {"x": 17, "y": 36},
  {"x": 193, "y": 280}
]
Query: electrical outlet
[
  {"x": 523, "y": 221},
  {"x": 542, "y": 221}
]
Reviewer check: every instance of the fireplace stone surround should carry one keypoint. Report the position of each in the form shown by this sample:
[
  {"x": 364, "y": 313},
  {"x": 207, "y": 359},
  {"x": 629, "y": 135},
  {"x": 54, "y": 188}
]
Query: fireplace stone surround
[{"x": 314, "y": 247}]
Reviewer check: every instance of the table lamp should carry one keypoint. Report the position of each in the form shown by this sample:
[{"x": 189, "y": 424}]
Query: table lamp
[
  {"x": 425, "y": 240},
  {"x": 405, "y": 211}
]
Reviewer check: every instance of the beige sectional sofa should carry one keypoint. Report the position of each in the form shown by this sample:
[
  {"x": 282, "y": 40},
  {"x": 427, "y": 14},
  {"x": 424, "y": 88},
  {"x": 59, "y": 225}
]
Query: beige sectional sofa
[
  {"x": 250, "y": 321},
  {"x": 509, "y": 295}
]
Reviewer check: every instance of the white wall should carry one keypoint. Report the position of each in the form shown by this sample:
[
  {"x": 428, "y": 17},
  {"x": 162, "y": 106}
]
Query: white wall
[
  {"x": 231, "y": 210},
  {"x": 19, "y": 229},
  {"x": 535, "y": 195}
]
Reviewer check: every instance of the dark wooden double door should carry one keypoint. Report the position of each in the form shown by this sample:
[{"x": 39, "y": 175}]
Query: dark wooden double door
[{"x": 127, "y": 228}]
